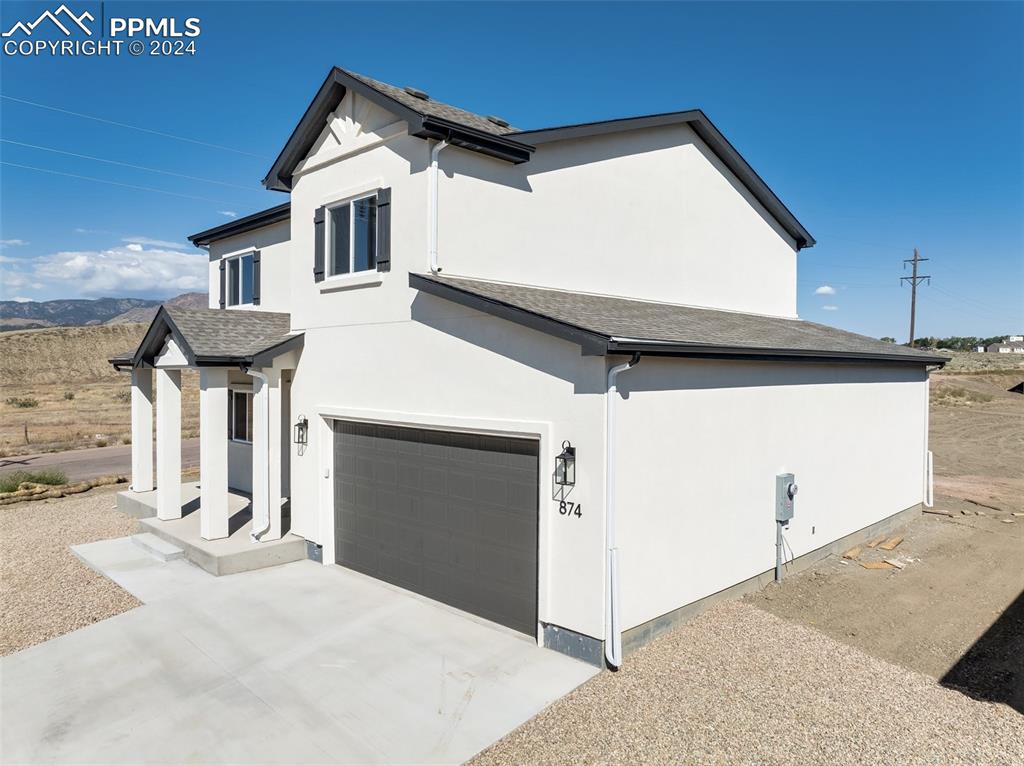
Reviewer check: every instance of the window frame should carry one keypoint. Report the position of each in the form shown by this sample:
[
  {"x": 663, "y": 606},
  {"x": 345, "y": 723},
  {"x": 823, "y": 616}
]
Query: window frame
[
  {"x": 249, "y": 395},
  {"x": 239, "y": 258},
  {"x": 329, "y": 209}
]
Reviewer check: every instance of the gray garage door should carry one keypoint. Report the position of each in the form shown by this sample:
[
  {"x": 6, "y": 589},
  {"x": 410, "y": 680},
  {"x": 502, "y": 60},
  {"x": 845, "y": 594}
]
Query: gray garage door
[{"x": 450, "y": 515}]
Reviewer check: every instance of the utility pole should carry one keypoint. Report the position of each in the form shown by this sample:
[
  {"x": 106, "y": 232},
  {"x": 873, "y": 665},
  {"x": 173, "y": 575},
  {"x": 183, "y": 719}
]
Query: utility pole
[{"x": 915, "y": 279}]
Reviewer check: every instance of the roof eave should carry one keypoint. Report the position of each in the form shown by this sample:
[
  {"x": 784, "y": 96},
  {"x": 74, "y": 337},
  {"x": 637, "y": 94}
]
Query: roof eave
[
  {"x": 248, "y": 223},
  {"x": 659, "y": 348},
  {"x": 710, "y": 135},
  {"x": 330, "y": 94}
]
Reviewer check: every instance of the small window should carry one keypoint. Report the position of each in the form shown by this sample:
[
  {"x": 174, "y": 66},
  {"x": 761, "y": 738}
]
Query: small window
[
  {"x": 352, "y": 236},
  {"x": 239, "y": 274},
  {"x": 240, "y": 416}
]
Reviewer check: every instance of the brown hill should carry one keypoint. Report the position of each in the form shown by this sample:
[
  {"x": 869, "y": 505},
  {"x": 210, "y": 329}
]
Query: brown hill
[{"x": 146, "y": 313}]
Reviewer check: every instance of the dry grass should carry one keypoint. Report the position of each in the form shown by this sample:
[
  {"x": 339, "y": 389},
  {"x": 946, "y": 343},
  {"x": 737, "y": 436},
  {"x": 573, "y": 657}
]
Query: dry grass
[
  {"x": 971, "y": 363},
  {"x": 49, "y": 364}
]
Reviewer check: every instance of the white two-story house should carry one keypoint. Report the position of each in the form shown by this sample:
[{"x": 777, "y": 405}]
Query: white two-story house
[{"x": 554, "y": 378}]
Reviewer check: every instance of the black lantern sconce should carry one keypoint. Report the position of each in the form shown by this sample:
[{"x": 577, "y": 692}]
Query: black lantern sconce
[
  {"x": 300, "y": 430},
  {"x": 565, "y": 466}
]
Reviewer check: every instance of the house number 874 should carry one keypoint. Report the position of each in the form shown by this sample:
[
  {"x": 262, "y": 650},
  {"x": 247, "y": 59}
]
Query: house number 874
[{"x": 566, "y": 508}]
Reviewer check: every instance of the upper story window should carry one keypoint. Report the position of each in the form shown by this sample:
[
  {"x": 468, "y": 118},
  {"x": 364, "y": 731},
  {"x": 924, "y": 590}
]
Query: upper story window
[
  {"x": 352, "y": 236},
  {"x": 240, "y": 280}
]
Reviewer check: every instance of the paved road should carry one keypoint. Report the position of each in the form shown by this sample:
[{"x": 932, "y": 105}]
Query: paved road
[{"x": 89, "y": 463}]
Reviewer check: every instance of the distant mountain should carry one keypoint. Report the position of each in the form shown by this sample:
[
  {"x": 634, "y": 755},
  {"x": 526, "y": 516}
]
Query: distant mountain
[
  {"x": 15, "y": 315},
  {"x": 146, "y": 313}
]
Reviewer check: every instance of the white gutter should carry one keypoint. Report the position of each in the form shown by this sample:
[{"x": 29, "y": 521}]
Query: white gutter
[
  {"x": 435, "y": 150},
  {"x": 613, "y": 627},
  {"x": 261, "y": 463}
]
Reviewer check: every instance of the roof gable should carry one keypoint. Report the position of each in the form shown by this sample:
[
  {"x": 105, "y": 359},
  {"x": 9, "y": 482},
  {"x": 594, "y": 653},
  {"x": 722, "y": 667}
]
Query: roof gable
[
  {"x": 426, "y": 119},
  {"x": 431, "y": 119}
]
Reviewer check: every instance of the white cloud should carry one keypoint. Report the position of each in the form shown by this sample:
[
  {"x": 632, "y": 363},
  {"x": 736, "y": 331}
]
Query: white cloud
[
  {"x": 12, "y": 242},
  {"x": 228, "y": 213},
  {"x": 155, "y": 242},
  {"x": 131, "y": 269},
  {"x": 21, "y": 299},
  {"x": 90, "y": 231},
  {"x": 825, "y": 290},
  {"x": 830, "y": 308}
]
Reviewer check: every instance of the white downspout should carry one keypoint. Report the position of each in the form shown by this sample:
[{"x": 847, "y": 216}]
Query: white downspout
[
  {"x": 432, "y": 206},
  {"x": 262, "y": 461},
  {"x": 613, "y": 628},
  {"x": 929, "y": 461}
]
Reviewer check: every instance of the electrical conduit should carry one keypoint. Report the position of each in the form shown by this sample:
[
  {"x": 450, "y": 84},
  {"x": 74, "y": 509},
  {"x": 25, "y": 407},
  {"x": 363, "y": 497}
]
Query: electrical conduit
[{"x": 613, "y": 627}]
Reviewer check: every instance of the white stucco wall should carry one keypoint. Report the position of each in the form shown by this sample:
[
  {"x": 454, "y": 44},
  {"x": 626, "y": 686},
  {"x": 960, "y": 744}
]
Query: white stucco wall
[
  {"x": 456, "y": 368},
  {"x": 275, "y": 275},
  {"x": 650, "y": 214},
  {"x": 702, "y": 441}
]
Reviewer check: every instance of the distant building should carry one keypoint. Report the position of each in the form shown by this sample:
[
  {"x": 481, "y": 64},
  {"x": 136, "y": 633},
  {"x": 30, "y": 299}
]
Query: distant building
[{"x": 1012, "y": 345}]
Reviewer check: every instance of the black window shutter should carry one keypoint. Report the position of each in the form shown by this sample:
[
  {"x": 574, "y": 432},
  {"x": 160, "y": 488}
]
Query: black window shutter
[
  {"x": 222, "y": 285},
  {"x": 384, "y": 230},
  {"x": 318, "y": 245},
  {"x": 256, "y": 278}
]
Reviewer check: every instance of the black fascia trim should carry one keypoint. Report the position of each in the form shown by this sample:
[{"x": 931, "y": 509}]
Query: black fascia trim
[
  {"x": 710, "y": 135},
  {"x": 292, "y": 343},
  {"x": 590, "y": 343},
  {"x": 162, "y": 324},
  {"x": 499, "y": 147},
  {"x": 266, "y": 217},
  {"x": 330, "y": 94},
  {"x": 654, "y": 348}
]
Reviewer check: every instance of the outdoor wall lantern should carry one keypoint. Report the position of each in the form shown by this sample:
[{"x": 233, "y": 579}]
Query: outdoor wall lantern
[
  {"x": 565, "y": 465},
  {"x": 301, "y": 430}
]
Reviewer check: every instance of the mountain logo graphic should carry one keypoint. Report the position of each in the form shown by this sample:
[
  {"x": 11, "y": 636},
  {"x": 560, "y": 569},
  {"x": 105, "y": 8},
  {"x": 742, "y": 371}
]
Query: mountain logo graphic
[{"x": 63, "y": 12}]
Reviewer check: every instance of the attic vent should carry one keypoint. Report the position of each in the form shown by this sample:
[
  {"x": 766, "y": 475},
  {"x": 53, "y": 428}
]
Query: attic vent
[
  {"x": 416, "y": 93},
  {"x": 497, "y": 121}
]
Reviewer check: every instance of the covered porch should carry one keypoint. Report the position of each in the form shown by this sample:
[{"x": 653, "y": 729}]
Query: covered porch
[{"x": 245, "y": 361}]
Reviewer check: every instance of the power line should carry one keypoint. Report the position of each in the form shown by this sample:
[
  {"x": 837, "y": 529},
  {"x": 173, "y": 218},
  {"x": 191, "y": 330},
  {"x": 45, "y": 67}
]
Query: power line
[
  {"x": 131, "y": 127},
  {"x": 126, "y": 164},
  {"x": 113, "y": 183}
]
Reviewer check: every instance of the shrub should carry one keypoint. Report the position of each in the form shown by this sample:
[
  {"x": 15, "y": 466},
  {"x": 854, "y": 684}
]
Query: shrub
[
  {"x": 123, "y": 396},
  {"x": 24, "y": 402},
  {"x": 126, "y": 440},
  {"x": 101, "y": 442},
  {"x": 10, "y": 482},
  {"x": 69, "y": 395}
]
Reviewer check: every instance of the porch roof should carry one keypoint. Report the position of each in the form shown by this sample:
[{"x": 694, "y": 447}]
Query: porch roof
[{"x": 215, "y": 337}]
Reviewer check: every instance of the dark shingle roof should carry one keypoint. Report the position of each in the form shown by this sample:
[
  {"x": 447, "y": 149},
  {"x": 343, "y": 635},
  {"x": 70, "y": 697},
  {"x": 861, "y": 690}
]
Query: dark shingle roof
[
  {"x": 231, "y": 333},
  {"x": 434, "y": 108},
  {"x": 215, "y": 337},
  {"x": 607, "y": 324}
]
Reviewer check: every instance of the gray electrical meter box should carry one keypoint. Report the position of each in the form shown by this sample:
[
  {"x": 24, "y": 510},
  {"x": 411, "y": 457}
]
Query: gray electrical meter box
[{"x": 785, "y": 491}]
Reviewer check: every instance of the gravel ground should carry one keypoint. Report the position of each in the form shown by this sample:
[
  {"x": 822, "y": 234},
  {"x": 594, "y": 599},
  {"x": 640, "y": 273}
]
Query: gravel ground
[
  {"x": 740, "y": 686},
  {"x": 44, "y": 590}
]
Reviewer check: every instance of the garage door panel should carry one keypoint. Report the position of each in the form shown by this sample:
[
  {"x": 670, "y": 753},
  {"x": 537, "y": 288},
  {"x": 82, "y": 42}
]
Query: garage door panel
[{"x": 450, "y": 515}]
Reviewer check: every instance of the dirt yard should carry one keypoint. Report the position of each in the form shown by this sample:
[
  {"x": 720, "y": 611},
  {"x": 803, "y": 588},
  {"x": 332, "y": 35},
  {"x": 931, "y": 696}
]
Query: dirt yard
[
  {"x": 843, "y": 664},
  {"x": 80, "y": 400},
  {"x": 44, "y": 590}
]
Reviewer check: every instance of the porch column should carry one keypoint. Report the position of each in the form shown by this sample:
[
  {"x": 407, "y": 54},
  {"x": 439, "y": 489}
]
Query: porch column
[
  {"x": 213, "y": 453},
  {"x": 142, "y": 429},
  {"x": 266, "y": 453},
  {"x": 168, "y": 444}
]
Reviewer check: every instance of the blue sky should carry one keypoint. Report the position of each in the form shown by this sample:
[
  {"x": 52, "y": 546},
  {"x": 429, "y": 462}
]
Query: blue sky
[{"x": 882, "y": 126}]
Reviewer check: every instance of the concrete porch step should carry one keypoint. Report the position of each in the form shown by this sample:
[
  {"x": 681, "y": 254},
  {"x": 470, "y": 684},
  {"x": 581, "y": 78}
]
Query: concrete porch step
[{"x": 157, "y": 547}]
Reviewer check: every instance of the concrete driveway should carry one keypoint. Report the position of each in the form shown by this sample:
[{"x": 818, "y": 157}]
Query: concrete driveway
[{"x": 299, "y": 663}]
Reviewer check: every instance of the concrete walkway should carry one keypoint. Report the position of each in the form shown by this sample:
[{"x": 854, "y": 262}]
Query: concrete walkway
[
  {"x": 81, "y": 464},
  {"x": 298, "y": 663}
]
